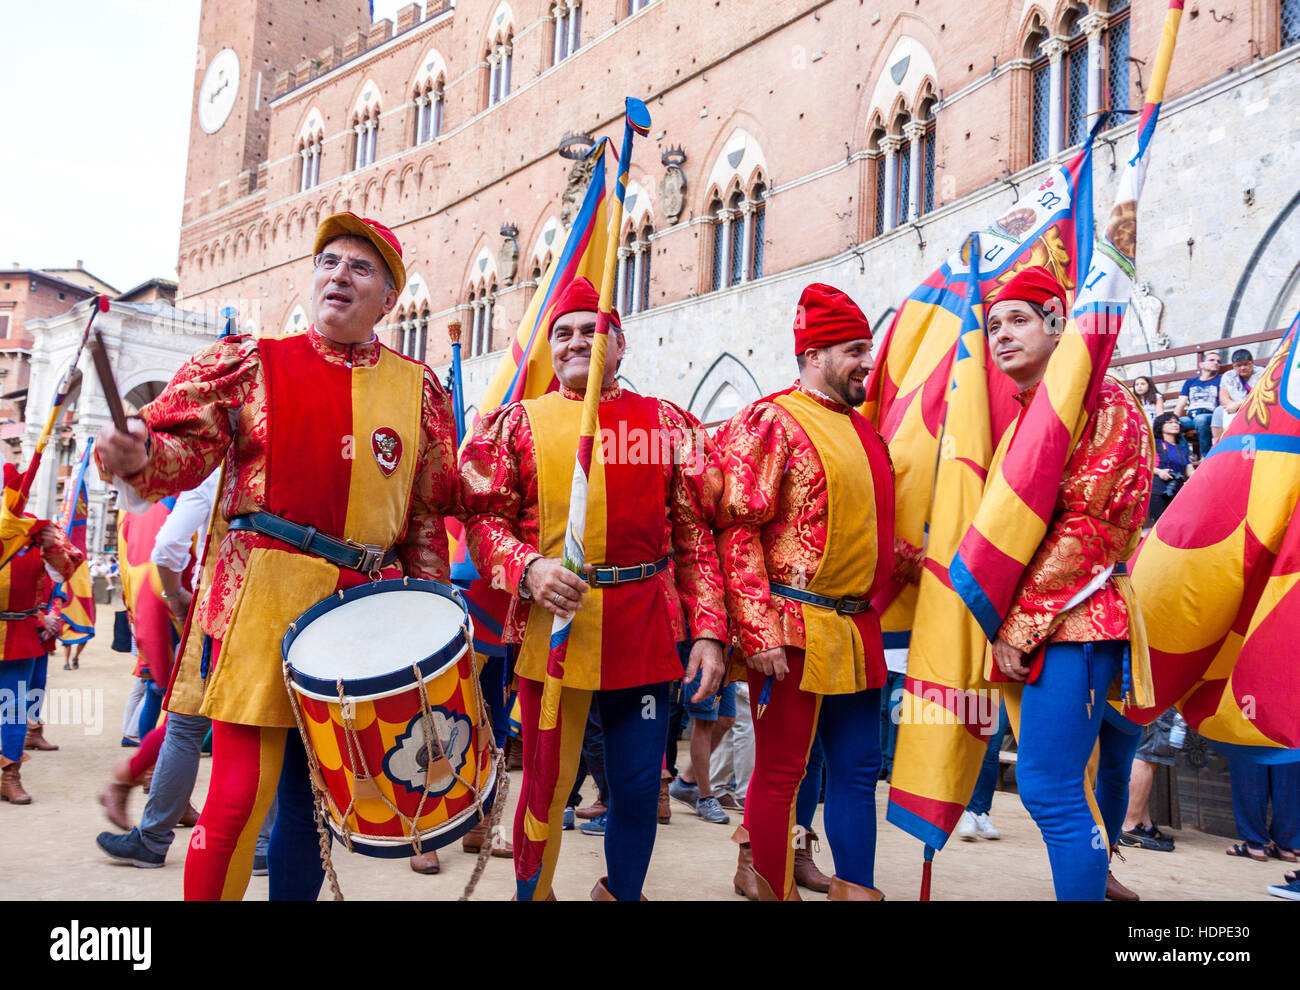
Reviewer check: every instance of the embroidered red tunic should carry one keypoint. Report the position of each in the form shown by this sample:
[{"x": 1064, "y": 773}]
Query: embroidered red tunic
[
  {"x": 773, "y": 520},
  {"x": 1097, "y": 521},
  {"x": 24, "y": 584},
  {"x": 659, "y": 502},
  {"x": 219, "y": 403}
]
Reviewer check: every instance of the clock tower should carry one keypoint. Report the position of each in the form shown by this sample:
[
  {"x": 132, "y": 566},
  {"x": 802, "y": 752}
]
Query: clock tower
[{"x": 242, "y": 44}]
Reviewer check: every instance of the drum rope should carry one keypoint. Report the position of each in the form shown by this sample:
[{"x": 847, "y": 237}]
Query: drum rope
[{"x": 319, "y": 794}]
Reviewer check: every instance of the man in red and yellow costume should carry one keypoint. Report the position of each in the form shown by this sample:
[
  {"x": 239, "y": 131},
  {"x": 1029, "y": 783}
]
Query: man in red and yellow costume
[
  {"x": 35, "y": 551},
  {"x": 340, "y": 465},
  {"x": 654, "y": 579},
  {"x": 1073, "y": 636},
  {"x": 806, "y": 537}
]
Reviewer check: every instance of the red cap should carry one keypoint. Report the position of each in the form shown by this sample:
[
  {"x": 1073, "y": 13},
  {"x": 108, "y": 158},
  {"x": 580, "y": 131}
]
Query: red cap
[
  {"x": 1036, "y": 285},
  {"x": 827, "y": 316},
  {"x": 384, "y": 240},
  {"x": 579, "y": 296},
  {"x": 13, "y": 477}
]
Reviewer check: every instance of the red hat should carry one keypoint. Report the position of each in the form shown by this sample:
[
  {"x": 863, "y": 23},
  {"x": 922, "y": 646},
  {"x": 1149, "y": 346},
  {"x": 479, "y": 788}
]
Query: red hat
[
  {"x": 384, "y": 240},
  {"x": 580, "y": 296},
  {"x": 1036, "y": 285},
  {"x": 827, "y": 316}
]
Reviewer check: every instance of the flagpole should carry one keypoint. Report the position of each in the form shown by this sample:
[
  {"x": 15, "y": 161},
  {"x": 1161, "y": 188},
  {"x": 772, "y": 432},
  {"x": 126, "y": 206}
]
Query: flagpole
[
  {"x": 544, "y": 778},
  {"x": 98, "y": 304},
  {"x": 457, "y": 384}
]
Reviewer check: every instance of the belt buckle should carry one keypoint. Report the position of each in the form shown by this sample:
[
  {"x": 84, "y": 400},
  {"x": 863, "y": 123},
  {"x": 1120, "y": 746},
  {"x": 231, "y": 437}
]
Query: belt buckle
[
  {"x": 842, "y": 605},
  {"x": 372, "y": 558}
]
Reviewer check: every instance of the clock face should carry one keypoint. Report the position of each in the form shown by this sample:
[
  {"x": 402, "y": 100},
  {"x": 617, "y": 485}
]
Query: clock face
[{"x": 219, "y": 89}]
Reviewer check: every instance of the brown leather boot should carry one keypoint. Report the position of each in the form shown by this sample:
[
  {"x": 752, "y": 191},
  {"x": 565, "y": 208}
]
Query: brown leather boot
[
  {"x": 1116, "y": 891},
  {"x": 11, "y": 786},
  {"x": 600, "y": 892},
  {"x": 842, "y": 890},
  {"x": 426, "y": 863},
  {"x": 114, "y": 797},
  {"x": 744, "y": 882},
  {"x": 665, "y": 808},
  {"x": 36, "y": 739},
  {"x": 472, "y": 842},
  {"x": 514, "y": 754},
  {"x": 806, "y": 873}
]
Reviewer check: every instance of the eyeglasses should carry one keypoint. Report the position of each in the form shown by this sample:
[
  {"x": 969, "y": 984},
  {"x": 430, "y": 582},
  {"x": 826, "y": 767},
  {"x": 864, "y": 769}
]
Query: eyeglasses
[{"x": 360, "y": 269}]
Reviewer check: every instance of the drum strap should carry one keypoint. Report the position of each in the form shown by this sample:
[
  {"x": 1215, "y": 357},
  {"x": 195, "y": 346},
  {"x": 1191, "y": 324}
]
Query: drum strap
[
  {"x": 15, "y": 616},
  {"x": 367, "y": 558}
]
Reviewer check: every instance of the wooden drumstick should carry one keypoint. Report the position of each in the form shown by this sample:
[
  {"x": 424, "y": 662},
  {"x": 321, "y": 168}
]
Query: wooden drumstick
[{"x": 99, "y": 354}]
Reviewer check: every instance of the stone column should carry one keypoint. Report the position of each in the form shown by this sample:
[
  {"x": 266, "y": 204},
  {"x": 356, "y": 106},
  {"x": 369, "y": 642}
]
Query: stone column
[
  {"x": 573, "y": 26},
  {"x": 421, "y": 118},
  {"x": 306, "y": 168},
  {"x": 507, "y": 58},
  {"x": 357, "y": 158},
  {"x": 1093, "y": 25},
  {"x": 634, "y": 297},
  {"x": 620, "y": 276},
  {"x": 317, "y": 150},
  {"x": 373, "y": 128},
  {"x": 889, "y": 145},
  {"x": 1056, "y": 48},
  {"x": 747, "y": 241},
  {"x": 436, "y": 129},
  {"x": 914, "y": 131},
  {"x": 494, "y": 69},
  {"x": 557, "y": 48}
]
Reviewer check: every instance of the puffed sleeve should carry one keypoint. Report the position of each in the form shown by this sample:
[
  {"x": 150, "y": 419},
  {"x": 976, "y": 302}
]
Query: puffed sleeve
[
  {"x": 694, "y": 490},
  {"x": 492, "y": 499},
  {"x": 190, "y": 423},
  {"x": 753, "y": 449},
  {"x": 1097, "y": 526}
]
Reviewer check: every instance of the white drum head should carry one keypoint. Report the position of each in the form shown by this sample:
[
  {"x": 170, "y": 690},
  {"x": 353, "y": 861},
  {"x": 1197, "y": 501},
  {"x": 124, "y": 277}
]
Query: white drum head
[{"x": 375, "y": 635}]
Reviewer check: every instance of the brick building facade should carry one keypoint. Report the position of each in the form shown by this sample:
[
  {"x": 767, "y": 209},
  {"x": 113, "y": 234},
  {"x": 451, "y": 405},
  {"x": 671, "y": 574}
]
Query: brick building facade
[{"x": 849, "y": 141}]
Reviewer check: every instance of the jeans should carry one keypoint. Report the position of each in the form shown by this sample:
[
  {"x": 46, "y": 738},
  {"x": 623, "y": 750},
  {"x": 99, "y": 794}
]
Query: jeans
[
  {"x": 890, "y": 699},
  {"x": 1252, "y": 786},
  {"x": 592, "y": 761},
  {"x": 982, "y": 800},
  {"x": 294, "y": 854},
  {"x": 1200, "y": 422},
  {"x": 1061, "y": 718},
  {"x": 173, "y": 779},
  {"x": 150, "y": 709}
]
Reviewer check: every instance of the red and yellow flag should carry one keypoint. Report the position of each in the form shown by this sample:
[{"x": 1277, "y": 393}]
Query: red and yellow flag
[
  {"x": 1218, "y": 580},
  {"x": 79, "y": 612}
]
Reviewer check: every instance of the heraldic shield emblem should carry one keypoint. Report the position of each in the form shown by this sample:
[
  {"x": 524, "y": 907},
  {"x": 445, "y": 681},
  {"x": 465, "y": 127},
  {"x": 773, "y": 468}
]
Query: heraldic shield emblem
[{"x": 387, "y": 448}]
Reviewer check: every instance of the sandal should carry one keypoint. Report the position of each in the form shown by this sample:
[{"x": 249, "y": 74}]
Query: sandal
[
  {"x": 1247, "y": 851},
  {"x": 1277, "y": 852}
]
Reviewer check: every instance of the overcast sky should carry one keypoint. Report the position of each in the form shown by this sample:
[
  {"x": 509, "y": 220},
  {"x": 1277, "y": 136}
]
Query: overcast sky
[{"x": 99, "y": 94}]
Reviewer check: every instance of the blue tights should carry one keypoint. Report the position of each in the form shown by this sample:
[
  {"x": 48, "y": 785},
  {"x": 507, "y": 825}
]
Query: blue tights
[
  {"x": 293, "y": 856},
  {"x": 1058, "y": 729}
]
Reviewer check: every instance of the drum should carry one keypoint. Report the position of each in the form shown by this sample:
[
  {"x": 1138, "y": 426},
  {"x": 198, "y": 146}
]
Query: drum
[{"x": 398, "y": 737}]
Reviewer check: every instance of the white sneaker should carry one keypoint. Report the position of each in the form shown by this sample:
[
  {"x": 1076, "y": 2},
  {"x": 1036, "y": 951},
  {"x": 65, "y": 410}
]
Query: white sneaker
[
  {"x": 984, "y": 826},
  {"x": 966, "y": 827}
]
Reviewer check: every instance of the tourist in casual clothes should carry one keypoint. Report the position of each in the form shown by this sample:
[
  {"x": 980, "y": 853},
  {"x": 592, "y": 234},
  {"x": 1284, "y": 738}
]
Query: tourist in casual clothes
[
  {"x": 1235, "y": 386},
  {"x": 1173, "y": 469},
  {"x": 1199, "y": 398},
  {"x": 1155, "y": 749},
  {"x": 975, "y": 821},
  {"x": 1254, "y": 787},
  {"x": 1152, "y": 402}
]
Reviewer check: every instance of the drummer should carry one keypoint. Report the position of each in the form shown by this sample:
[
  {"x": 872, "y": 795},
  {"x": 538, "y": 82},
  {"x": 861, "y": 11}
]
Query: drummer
[
  {"x": 340, "y": 464},
  {"x": 650, "y": 503}
]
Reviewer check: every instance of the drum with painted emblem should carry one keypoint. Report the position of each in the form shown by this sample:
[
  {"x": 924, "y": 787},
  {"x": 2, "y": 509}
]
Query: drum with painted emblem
[{"x": 398, "y": 737}]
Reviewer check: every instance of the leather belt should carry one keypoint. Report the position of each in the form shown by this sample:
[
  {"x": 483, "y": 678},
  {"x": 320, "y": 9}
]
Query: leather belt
[
  {"x": 16, "y": 616},
  {"x": 606, "y": 576},
  {"x": 367, "y": 558},
  {"x": 847, "y": 605},
  {"x": 1121, "y": 568}
]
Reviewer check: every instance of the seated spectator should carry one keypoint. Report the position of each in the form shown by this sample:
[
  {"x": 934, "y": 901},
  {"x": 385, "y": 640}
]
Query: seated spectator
[
  {"x": 1234, "y": 389},
  {"x": 1199, "y": 398},
  {"x": 1153, "y": 403},
  {"x": 1172, "y": 470}
]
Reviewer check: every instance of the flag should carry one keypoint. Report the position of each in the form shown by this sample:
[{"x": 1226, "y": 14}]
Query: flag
[
  {"x": 1218, "y": 579},
  {"x": 79, "y": 612},
  {"x": 545, "y": 765},
  {"x": 1021, "y": 494},
  {"x": 525, "y": 372}
]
